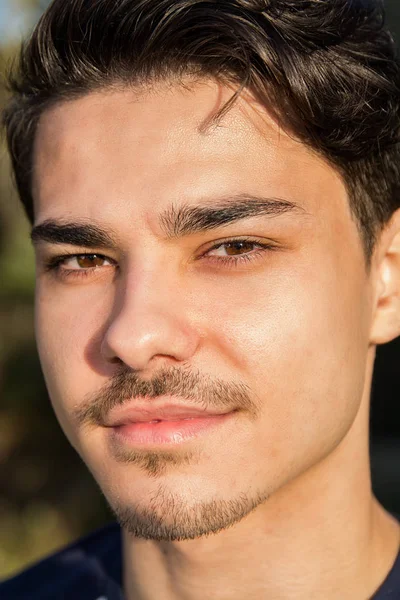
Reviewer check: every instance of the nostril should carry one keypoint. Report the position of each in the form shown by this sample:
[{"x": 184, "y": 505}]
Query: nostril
[{"x": 116, "y": 361}]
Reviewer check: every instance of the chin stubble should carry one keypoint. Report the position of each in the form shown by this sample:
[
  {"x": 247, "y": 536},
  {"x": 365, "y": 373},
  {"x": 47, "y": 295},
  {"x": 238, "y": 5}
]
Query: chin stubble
[
  {"x": 154, "y": 463},
  {"x": 168, "y": 518}
]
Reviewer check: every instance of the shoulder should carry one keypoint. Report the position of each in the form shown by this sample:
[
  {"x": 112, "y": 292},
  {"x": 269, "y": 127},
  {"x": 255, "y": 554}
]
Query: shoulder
[
  {"x": 390, "y": 589},
  {"x": 86, "y": 568}
]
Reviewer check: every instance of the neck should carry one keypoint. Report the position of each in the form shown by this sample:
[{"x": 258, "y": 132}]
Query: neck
[{"x": 323, "y": 535}]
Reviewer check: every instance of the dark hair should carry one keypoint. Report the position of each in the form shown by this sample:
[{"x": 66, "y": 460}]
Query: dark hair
[{"x": 325, "y": 68}]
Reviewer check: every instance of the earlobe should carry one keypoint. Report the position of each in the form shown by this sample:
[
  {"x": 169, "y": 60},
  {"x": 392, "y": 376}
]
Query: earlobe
[{"x": 386, "y": 322}]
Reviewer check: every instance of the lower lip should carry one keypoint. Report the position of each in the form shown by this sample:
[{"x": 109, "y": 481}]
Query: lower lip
[{"x": 167, "y": 432}]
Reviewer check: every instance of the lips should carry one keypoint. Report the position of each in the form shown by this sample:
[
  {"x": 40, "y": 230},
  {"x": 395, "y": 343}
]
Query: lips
[
  {"x": 162, "y": 425},
  {"x": 129, "y": 413}
]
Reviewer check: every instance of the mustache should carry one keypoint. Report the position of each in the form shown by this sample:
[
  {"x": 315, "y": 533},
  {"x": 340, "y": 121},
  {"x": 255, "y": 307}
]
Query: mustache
[{"x": 202, "y": 391}]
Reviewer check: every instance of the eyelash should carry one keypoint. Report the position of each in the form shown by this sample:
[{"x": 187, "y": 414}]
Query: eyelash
[
  {"x": 54, "y": 264},
  {"x": 234, "y": 261}
]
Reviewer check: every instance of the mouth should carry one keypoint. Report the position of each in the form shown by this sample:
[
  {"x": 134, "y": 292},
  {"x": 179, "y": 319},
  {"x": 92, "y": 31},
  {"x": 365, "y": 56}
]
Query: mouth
[{"x": 167, "y": 424}]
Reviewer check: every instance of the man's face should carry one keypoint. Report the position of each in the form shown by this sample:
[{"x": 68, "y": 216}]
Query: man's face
[{"x": 230, "y": 277}]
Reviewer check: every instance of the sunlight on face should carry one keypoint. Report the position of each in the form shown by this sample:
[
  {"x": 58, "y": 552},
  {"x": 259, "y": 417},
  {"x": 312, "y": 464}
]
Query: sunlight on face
[{"x": 181, "y": 263}]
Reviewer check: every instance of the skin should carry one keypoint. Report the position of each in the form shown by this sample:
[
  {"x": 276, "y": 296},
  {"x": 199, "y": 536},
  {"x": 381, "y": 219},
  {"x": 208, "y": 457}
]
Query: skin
[{"x": 297, "y": 325}]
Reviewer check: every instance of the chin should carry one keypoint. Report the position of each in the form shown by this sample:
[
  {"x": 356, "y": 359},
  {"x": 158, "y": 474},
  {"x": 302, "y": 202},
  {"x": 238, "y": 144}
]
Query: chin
[{"x": 170, "y": 518}]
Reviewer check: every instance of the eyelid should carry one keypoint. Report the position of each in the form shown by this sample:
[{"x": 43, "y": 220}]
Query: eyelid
[
  {"x": 55, "y": 263},
  {"x": 262, "y": 242},
  {"x": 76, "y": 256},
  {"x": 236, "y": 263}
]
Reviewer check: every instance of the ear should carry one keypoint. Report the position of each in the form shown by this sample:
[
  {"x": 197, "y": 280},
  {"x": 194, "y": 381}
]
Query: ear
[{"x": 386, "y": 321}]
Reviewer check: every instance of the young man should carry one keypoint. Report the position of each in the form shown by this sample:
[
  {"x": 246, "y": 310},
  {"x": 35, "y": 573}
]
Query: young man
[{"x": 214, "y": 193}]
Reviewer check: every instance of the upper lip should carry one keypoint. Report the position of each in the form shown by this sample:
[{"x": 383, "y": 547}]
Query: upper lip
[{"x": 129, "y": 413}]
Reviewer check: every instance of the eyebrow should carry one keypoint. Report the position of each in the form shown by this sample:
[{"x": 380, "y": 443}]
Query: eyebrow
[
  {"x": 74, "y": 234},
  {"x": 175, "y": 222},
  {"x": 187, "y": 220}
]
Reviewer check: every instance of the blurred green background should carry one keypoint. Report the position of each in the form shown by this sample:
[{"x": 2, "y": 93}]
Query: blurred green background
[{"x": 47, "y": 497}]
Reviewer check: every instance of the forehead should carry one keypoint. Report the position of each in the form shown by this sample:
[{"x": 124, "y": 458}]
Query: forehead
[{"x": 138, "y": 150}]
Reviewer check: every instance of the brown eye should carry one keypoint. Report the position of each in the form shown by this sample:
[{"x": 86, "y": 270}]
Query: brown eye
[
  {"x": 236, "y": 252},
  {"x": 239, "y": 247},
  {"x": 89, "y": 261}
]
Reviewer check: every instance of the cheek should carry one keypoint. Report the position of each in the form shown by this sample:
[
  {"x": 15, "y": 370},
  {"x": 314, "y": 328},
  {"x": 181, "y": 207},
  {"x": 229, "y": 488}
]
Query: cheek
[
  {"x": 65, "y": 323},
  {"x": 300, "y": 342}
]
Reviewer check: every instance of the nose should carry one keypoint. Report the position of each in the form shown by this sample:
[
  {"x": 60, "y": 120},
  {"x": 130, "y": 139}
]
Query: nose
[{"x": 149, "y": 322}]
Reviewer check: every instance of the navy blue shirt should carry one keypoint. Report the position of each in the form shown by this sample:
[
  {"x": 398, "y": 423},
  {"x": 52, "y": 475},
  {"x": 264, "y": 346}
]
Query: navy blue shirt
[{"x": 91, "y": 569}]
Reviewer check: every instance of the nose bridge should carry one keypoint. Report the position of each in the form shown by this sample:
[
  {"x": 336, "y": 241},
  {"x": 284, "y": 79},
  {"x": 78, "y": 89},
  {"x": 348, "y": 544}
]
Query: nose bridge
[
  {"x": 149, "y": 319},
  {"x": 149, "y": 295},
  {"x": 144, "y": 282}
]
